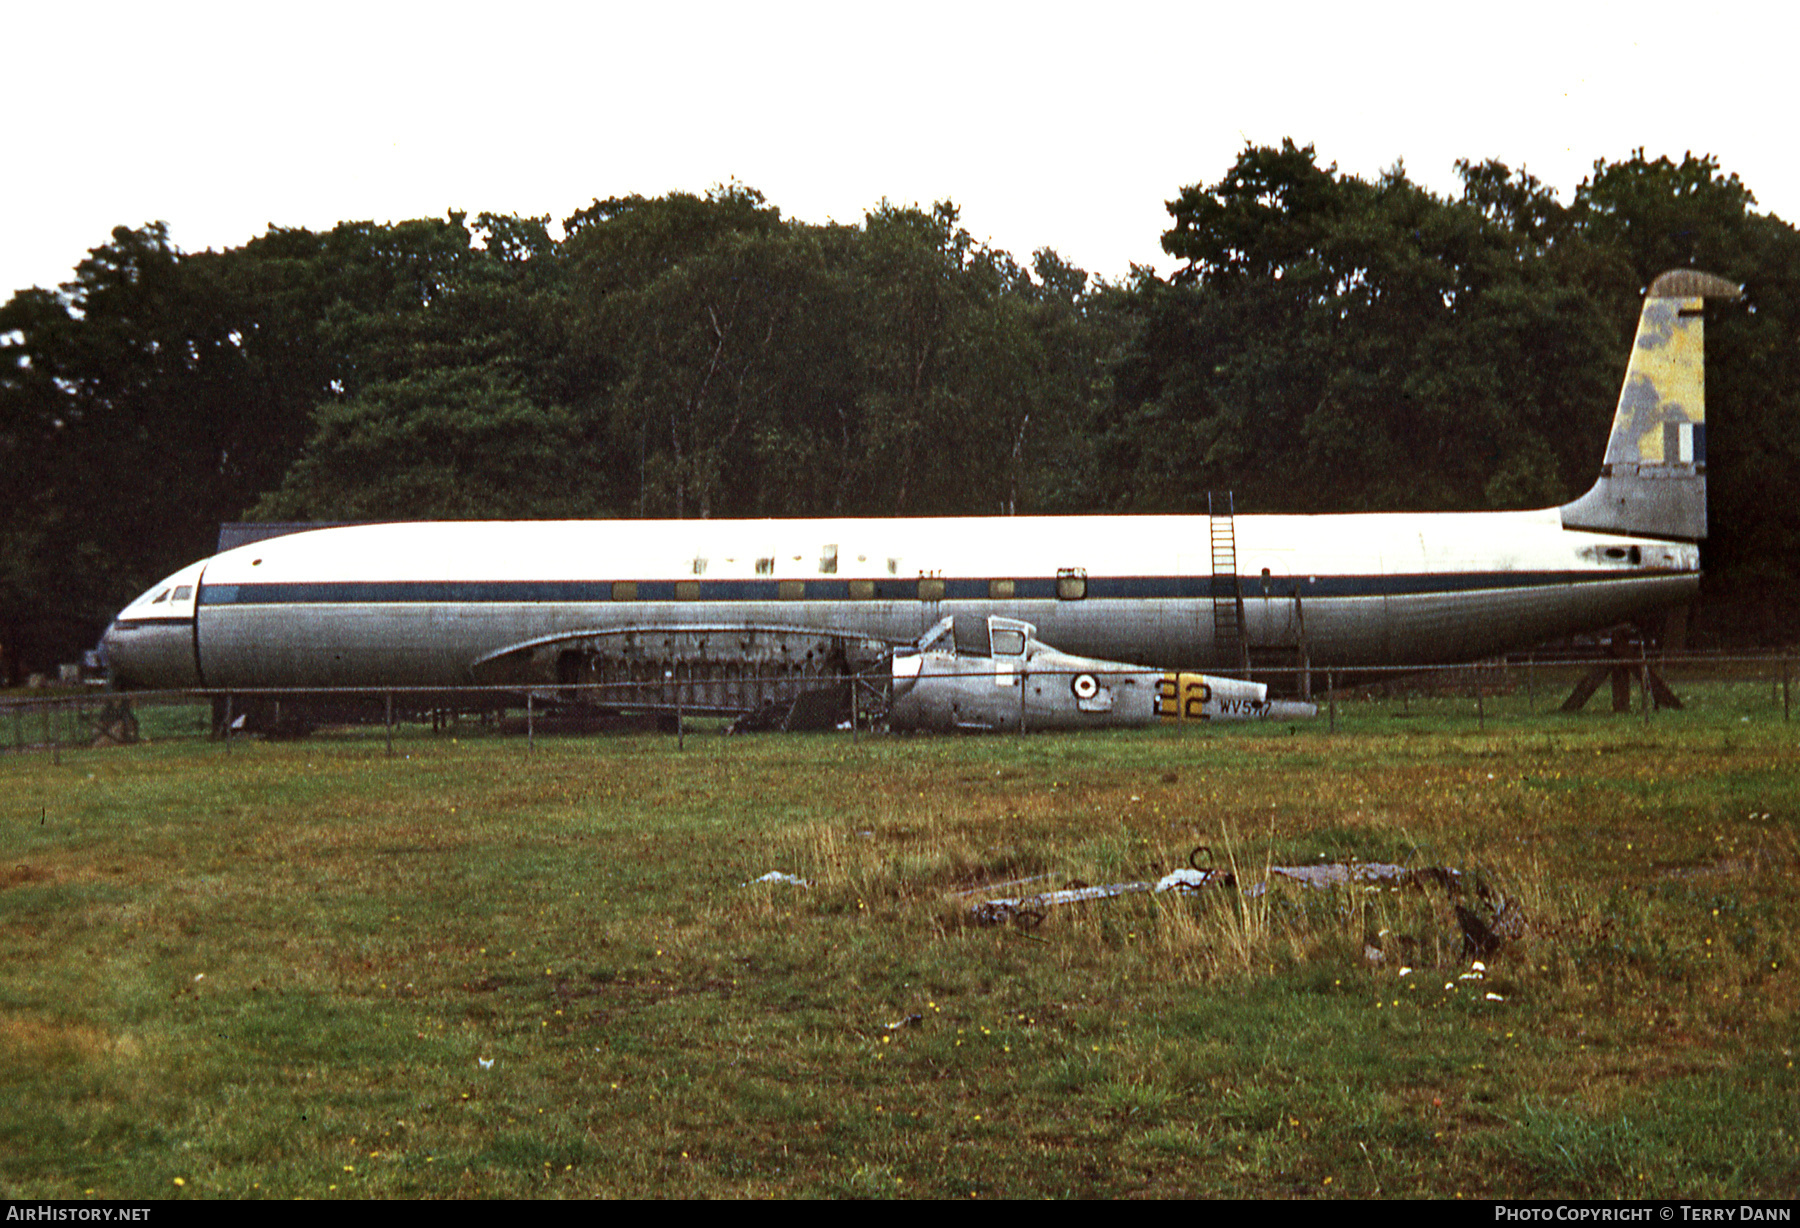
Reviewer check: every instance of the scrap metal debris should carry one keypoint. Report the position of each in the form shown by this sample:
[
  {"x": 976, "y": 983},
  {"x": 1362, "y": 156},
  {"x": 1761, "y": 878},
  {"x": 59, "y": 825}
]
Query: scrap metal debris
[
  {"x": 1331, "y": 874},
  {"x": 776, "y": 876},
  {"x": 1197, "y": 877},
  {"x": 1011, "y": 882},
  {"x": 1187, "y": 880},
  {"x": 1030, "y": 910},
  {"x": 1481, "y": 937},
  {"x": 1361, "y": 873}
]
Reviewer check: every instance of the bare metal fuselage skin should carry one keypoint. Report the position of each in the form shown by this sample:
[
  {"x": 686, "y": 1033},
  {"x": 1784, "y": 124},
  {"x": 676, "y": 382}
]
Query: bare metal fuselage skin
[{"x": 417, "y": 605}]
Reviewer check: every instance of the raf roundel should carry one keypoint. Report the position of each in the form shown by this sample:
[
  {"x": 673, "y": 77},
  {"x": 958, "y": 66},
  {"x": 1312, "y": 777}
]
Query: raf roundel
[{"x": 1085, "y": 686}]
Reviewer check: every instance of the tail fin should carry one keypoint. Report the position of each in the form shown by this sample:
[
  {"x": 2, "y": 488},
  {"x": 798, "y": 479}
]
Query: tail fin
[{"x": 1654, "y": 480}]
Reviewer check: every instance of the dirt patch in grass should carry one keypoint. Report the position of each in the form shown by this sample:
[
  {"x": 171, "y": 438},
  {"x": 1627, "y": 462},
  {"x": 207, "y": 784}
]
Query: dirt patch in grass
[{"x": 57, "y": 1042}]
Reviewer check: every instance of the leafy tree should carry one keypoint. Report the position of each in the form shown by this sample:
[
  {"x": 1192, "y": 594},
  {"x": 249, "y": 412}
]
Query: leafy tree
[
  {"x": 428, "y": 308},
  {"x": 626, "y": 242},
  {"x": 1515, "y": 202},
  {"x": 714, "y": 365},
  {"x": 1661, "y": 215},
  {"x": 444, "y": 443},
  {"x": 754, "y": 367},
  {"x": 1335, "y": 344},
  {"x": 144, "y": 405}
]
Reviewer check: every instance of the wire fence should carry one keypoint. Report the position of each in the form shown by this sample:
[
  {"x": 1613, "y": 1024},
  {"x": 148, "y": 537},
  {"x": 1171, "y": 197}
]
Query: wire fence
[{"x": 1489, "y": 693}]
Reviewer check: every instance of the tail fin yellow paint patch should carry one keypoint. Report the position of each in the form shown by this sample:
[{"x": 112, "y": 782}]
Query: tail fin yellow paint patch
[
  {"x": 1661, "y": 419},
  {"x": 1654, "y": 480}
]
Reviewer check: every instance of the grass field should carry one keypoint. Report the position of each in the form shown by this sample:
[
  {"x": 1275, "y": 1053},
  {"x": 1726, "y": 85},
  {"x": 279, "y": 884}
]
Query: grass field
[{"x": 306, "y": 969}]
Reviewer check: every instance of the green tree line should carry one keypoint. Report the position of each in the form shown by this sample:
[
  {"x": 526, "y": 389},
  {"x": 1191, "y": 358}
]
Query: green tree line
[{"x": 1328, "y": 343}]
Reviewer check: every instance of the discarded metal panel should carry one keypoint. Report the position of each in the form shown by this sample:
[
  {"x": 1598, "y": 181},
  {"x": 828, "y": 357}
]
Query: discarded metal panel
[
  {"x": 1193, "y": 880},
  {"x": 1481, "y": 937},
  {"x": 993, "y": 912},
  {"x": 778, "y": 876},
  {"x": 1361, "y": 873}
]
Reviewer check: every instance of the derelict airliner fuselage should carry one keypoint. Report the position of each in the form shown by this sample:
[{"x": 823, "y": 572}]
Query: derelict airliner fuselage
[{"x": 447, "y": 604}]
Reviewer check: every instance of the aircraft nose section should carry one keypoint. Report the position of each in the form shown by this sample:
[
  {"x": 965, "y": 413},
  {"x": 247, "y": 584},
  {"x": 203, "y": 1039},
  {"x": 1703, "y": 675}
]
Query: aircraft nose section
[
  {"x": 145, "y": 655},
  {"x": 122, "y": 663},
  {"x": 152, "y": 644}
]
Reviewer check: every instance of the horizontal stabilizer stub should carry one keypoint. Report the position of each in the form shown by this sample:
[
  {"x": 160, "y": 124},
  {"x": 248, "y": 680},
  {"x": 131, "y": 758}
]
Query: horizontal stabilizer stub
[{"x": 1693, "y": 283}]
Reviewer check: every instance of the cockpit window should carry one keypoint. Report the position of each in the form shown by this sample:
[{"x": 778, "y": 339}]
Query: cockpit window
[
  {"x": 182, "y": 592},
  {"x": 160, "y": 597},
  {"x": 973, "y": 638}
]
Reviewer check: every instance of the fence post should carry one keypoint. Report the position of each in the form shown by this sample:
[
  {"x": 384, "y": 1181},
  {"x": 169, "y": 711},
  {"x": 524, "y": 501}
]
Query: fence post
[
  {"x": 1480, "y": 697},
  {"x": 530, "y": 724},
  {"x": 390, "y": 724},
  {"x": 1331, "y": 691}
]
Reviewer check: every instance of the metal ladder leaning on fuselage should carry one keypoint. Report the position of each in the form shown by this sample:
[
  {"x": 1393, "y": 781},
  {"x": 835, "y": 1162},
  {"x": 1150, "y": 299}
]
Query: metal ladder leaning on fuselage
[{"x": 1229, "y": 644}]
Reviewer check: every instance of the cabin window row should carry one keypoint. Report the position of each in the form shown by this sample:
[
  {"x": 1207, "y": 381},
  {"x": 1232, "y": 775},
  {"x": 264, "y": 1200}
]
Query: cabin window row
[{"x": 1069, "y": 586}]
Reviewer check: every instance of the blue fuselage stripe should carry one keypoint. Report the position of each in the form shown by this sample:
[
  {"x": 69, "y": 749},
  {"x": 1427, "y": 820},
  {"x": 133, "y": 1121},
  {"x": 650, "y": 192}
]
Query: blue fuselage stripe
[{"x": 1133, "y": 588}]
